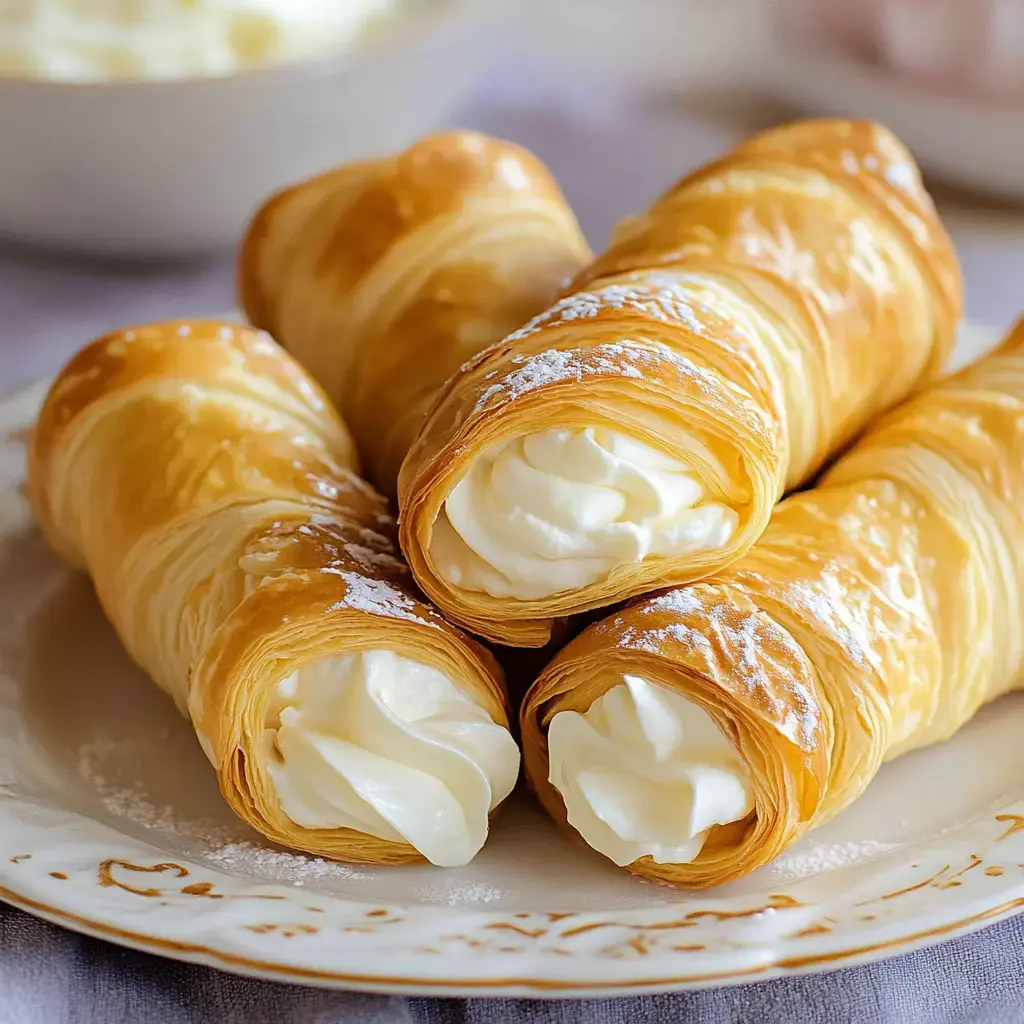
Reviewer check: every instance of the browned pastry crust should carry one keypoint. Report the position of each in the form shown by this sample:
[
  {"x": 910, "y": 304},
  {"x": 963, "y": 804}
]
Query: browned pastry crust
[
  {"x": 768, "y": 305},
  {"x": 877, "y": 613},
  {"x": 205, "y": 483},
  {"x": 383, "y": 277}
]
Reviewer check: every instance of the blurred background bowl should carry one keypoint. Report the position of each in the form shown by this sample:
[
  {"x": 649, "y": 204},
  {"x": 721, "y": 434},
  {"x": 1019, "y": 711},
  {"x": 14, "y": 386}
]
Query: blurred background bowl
[
  {"x": 947, "y": 76},
  {"x": 173, "y": 168},
  {"x": 971, "y": 141}
]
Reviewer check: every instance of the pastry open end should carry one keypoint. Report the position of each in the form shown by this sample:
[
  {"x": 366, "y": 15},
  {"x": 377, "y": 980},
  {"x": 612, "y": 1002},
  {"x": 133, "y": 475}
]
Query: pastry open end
[
  {"x": 640, "y": 431},
  {"x": 383, "y": 277},
  {"x": 877, "y": 613},
  {"x": 202, "y": 479}
]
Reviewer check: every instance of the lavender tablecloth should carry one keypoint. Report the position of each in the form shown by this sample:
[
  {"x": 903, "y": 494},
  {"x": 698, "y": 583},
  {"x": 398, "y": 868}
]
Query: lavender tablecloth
[
  {"x": 613, "y": 155},
  {"x": 49, "y": 976}
]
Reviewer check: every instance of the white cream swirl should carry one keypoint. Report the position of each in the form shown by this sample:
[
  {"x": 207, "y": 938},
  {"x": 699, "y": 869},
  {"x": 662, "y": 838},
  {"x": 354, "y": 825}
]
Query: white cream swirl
[
  {"x": 555, "y": 511},
  {"x": 385, "y": 745},
  {"x": 646, "y": 772}
]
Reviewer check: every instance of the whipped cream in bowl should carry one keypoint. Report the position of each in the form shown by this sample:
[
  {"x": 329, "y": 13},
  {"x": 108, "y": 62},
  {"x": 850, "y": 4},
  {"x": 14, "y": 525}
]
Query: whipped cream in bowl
[
  {"x": 391, "y": 747},
  {"x": 66, "y": 40},
  {"x": 160, "y": 125},
  {"x": 540, "y": 514},
  {"x": 646, "y": 772}
]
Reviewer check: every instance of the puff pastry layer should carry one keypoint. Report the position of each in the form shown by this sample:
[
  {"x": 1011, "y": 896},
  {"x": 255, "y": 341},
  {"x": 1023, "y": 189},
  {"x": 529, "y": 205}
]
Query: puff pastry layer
[
  {"x": 877, "y": 613},
  {"x": 741, "y": 330},
  {"x": 204, "y": 482},
  {"x": 383, "y": 277}
]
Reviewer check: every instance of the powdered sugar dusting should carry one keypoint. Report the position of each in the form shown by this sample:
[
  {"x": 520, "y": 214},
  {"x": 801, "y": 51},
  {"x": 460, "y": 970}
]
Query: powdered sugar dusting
[
  {"x": 225, "y": 845},
  {"x": 744, "y": 642},
  {"x": 748, "y": 644},
  {"x": 651, "y": 640},
  {"x": 656, "y": 296},
  {"x": 280, "y": 866},
  {"x": 135, "y": 806},
  {"x": 243, "y": 858},
  {"x": 825, "y": 603},
  {"x": 370, "y": 560},
  {"x": 625, "y": 358},
  {"x": 132, "y": 803},
  {"x": 799, "y": 863},
  {"x": 378, "y": 598},
  {"x": 223, "y": 850},
  {"x": 452, "y": 892},
  {"x": 683, "y": 601},
  {"x": 373, "y": 552}
]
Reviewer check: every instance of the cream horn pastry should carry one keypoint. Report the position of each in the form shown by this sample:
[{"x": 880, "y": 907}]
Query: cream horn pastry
[
  {"x": 640, "y": 431},
  {"x": 383, "y": 277},
  {"x": 696, "y": 734},
  {"x": 204, "y": 482}
]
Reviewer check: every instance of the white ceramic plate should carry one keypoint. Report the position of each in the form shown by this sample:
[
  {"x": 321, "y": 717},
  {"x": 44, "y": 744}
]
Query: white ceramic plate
[{"x": 110, "y": 824}]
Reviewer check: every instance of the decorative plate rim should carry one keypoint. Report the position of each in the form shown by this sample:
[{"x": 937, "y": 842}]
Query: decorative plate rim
[
  {"x": 543, "y": 972},
  {"x": 509, "y": 986},
  {"x": 78, "y": 872}
]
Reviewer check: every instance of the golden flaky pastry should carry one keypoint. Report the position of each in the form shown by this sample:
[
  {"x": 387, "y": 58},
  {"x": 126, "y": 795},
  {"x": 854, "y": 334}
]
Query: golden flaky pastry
[
  {"x": 383, "y": 277},
  {"x": 640, "y": 431},
  {"x": 877, "y": 613},
  {"x": 204, "y": 482}
]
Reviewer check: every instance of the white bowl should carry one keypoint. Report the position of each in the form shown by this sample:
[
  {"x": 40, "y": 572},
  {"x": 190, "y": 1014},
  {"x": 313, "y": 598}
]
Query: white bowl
[
  {"x": 175, "y": 168},
  {"x": 972, "y": 143}
]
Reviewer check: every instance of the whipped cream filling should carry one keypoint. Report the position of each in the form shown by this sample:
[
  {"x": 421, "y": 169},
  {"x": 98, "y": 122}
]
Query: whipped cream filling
[
  {"x": 108, "y": 39},
  {"x": 646, "y": 772},
  {"x": 385, "y": 745},
  {"x": 545, "y": 513}
]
